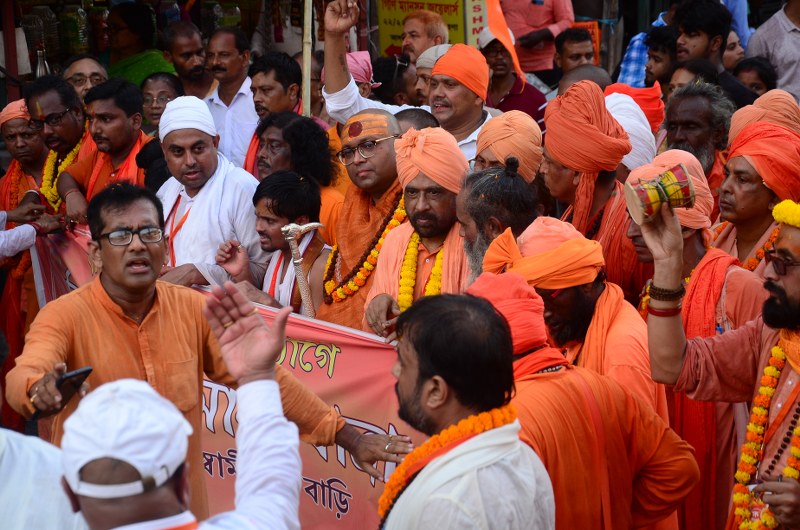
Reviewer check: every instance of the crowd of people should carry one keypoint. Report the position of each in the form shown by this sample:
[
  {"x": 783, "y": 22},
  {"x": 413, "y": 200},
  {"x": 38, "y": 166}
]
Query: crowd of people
[{"x": 570, "y": 366}]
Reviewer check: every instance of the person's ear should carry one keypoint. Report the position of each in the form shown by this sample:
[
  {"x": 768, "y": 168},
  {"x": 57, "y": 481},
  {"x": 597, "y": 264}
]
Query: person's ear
[
  {"x": 293, "y": 92},
  {"x": 216, "y": 141},
  {"x": 400, "y": 99},
  {"x": 494, "y": 228},
  {"x": 183, "y": 486},
  {"x": 246, "y": 58},
  {"x": 438, "y": 39},
  {"x": 557, "y": 59},
  {"x": 715, "y": 45},
  {"x": 435, "y": 393},
  {"x": 167, "y": 56},
  {"x": 136, "y": 121},
  {"x": 95, "y": 260},
  {"x": 73, "y": 499}
]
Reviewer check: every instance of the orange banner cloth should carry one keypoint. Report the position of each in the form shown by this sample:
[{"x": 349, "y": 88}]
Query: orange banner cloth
[
  {"x": 433, "y": 152},
  {"x": 775, "y": 106},
  {"x": 499, "y": 28},
  {"x": 516, "y": 134},
  {"x": 16, "y": 110},
  {"x": 774, "y": 152},
  {"x": 648, "y": 99},
  {"x": 466, "y": 65}
]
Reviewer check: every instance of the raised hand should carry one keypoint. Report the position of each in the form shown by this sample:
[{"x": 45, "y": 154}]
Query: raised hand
[
  {"x": 340, "y": 16},
  {"x": 249, "y": 348},
  {"x": 663, "y": 235},
  {"x": 232, "y": 257}
]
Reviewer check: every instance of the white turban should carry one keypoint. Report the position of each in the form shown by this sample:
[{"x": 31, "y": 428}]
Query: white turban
[
  {"x": 429, "y": 57},
  {"x": 628, "y": 113},
  {"x": 186, "y": 112}
]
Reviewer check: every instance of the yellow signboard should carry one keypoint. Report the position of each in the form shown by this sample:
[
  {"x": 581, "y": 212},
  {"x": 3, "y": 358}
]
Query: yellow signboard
[{"x": 392, "y": 12}]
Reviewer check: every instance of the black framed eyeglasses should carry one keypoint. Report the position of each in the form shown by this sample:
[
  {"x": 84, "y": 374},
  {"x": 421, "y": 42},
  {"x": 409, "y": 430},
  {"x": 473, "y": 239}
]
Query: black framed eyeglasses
[
  {"x": 121, "y": 238},
  {"x": 779, "y": 263},
  {"x": 51, "y": 119},
  {"x": 366, "y": 149}
]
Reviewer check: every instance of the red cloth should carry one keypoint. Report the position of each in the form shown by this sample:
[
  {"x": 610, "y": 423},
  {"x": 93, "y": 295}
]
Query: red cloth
[
  {"x": 251, "y": 157},
  {"x": 648, "y": 99}
]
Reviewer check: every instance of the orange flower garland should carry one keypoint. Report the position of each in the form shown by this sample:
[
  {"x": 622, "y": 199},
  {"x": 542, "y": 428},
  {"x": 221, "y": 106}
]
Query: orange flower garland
[
  {"x": 470, "y": 426},
  {"x": 753, "y": 452},
  {"x": 753, "y": 262},
  {"x": 357, "y": 278}
]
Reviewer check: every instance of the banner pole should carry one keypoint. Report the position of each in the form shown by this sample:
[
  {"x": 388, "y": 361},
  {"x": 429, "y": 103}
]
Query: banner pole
[{"x": 308, "y": 8}]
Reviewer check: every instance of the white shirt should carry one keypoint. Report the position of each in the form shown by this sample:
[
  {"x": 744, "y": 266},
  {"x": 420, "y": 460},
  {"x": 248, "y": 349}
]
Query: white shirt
[
  {"x": 15, "y": 240},
  {"x": 221, "y": 210},
  {"x": 778, "y": 39},
  {"x": 284, "y": 273},
  {"x": 349, "y": 101},
  {"x": 267, "y": 468},
  {"x": 235, "y": 123},
  {"x": 31, "y": 494},
  {"x": 492, "y": 481}
]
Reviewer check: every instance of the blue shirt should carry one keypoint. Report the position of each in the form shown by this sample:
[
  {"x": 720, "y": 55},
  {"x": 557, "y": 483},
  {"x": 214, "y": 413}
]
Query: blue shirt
[{"x": 631, "y": 69}]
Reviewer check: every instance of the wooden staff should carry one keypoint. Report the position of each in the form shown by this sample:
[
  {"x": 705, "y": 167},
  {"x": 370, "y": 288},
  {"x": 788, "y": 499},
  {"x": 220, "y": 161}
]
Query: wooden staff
[{"x": 308, "y": 10}]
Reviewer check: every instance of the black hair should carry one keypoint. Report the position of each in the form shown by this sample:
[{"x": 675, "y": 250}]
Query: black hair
[
  {"x": 389, "y": 72},
  {"x": 705, "y": 16},
  {"x": 465, "y": 341},
  {"x": 181, "y": 28},
  {"x": 240, "y": 39},
  {"x": 572, "y": 35},
  {"x": 140, "y": 20},
  {"x": 125, "y": 94},
  {"x": 116, "y": 196},
  {"x": 311, "y": 156},
  {"x": 419, "y": 118},
  {"x": 762, "y": 67},
  {"x": 290, "y": 195},
  {"x": 67, "y": 95},
  {"x": 170, "y": 79},
  {"x": 287, "y": 71},
  {"x": 80, "y": 57},
  {"x": 663, "y": 39},
  {"x": 703, "y": 69},
  {"x": 503, "y": 194}
]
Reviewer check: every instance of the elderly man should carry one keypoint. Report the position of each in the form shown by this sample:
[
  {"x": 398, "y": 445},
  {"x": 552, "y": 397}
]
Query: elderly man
[
  {"x": 581, "y": 423},
  {"x": 454, "y": 383},
  {"x": 184, "y": 48},
  {"x": 424, "y": 66},
  {"x": 374, "y": 206},
  {"x": 457, "y": 89},
  {"x": 697, "y": 119},
  {"x": 84, "y": 72},
  {"x": 208, "y": 199},
  {"x": 425, "y": 256},
  {"x": 721, "y": 296},
  {"x": 422, "y": 30}
]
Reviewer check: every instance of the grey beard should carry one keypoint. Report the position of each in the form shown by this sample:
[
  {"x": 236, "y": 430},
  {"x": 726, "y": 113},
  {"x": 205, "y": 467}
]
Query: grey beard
[
  {"x": 704, "y": 154},
  {"x": 475, "y": 252}
]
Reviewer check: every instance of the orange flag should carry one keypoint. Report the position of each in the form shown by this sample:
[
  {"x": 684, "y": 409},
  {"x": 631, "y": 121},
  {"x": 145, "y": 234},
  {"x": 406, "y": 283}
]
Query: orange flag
[{"x": 499, "y": 28}]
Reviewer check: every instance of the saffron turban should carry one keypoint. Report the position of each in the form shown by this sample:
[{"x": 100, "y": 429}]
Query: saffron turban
[
  {"x": 775, "y": 106},
  {"x": 16, "y": 110},
  {"x": 698, "y": 216},
  {"x": 466, "y": 65},
  {"x": 774, "y": 152},
  {"x": 648, "y": 99},
  {"x": 429, "y": 57},
  {"x": 434, "y": 152},
  {"x": 630, "y": 116},
  {"x": 519, "y": 303},
  {"x": 186, "y": 112},
  {"x": 516, "y": 134},
  {"x": 550, "y": 254}
]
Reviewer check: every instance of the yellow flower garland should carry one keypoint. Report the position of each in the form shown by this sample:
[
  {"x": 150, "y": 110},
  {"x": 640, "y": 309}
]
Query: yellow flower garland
[
  {"x": 787, "y": 212},
  {"x": 408, "y": 274},
  {"x": 50, "y": 175},
  {"x": 472, "y": 425}
]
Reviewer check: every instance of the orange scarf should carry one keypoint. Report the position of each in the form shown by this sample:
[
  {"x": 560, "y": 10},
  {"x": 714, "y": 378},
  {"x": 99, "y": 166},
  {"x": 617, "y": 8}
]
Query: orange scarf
[
  {"x": 251, "y": 158},
  {"x": 606, "y": 310},
  {"x": 539, "y": 360},
  {"x": 128, "y": 171}
]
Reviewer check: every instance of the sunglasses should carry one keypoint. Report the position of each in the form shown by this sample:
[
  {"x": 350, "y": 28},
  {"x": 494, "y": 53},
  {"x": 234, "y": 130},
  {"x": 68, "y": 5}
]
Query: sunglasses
[{"x": 780, "y": 264}]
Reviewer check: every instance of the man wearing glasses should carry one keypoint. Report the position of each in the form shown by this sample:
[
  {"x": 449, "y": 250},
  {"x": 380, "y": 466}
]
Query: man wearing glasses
[{"x": 84, "y": 72}]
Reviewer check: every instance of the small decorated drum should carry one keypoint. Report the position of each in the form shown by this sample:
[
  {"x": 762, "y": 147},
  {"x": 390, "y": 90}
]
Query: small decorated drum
[{"x": 645, "y": 198}]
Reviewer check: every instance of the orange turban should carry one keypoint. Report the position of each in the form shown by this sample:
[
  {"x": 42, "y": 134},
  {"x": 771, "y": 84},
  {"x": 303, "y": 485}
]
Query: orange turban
[
  {"x": 583, "y": 136},
  {"x": 648, "y": 99},
  {"x": 774, "y": 152},
  {"x": 513, "y": 298},
  {"x": 516, "y": 134},
  {"x": 697, "y": 217},
  {"x": 775, "y": 106},
  {"x": 466, "y": 65},
  {"x": 434, "y": 152},
  {"x": 549, "y": 254},
  {"x": 14, "y": 110}
]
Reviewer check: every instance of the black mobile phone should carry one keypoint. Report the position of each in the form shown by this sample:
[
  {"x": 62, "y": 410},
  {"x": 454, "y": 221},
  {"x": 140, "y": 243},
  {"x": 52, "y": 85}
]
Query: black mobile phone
[{"x": 68, "y": 385}]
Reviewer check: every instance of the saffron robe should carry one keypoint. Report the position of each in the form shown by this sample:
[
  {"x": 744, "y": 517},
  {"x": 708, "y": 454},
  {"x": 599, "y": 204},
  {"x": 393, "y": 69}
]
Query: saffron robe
[{"x": 726, "y": 241}]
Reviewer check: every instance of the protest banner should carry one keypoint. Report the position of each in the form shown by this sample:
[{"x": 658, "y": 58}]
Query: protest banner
[{"x": 392, "y": 12}]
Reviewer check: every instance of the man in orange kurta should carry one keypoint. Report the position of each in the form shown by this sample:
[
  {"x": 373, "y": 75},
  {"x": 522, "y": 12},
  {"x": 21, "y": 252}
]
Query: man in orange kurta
[
  {"x": 370, "y": 204},
  {"x": 425, "y": 256},
  {"x": 584, "y": 146},
  {"x": 720, "y": 296},
  {"x": 613, "y": 462}
]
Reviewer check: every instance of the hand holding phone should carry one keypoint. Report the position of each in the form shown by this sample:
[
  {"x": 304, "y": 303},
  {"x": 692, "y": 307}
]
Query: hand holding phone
[{"x": 56, "y": 388}]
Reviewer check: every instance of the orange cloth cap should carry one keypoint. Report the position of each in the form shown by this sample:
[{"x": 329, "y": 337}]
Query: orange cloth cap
[
  {"x": 648, "y": 99},
  {"x": 775, "y": 106},
  {"x": 516, "y": 134},
  {"x": 466, "y": 65},
  {"x": 434, "y": 152},
  {"x": 14, "y": 110},
  {"x": 774, "y": 152}
]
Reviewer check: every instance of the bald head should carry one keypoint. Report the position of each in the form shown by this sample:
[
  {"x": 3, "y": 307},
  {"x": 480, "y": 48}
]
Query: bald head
[
  {"x": 588, "y": 72},
  {"x": 370, "y": 122}
]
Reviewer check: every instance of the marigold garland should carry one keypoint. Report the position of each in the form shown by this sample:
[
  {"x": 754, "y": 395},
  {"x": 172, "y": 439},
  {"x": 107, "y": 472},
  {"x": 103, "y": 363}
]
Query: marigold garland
[
  {"x": 753, "y": 452},
  {"x": 50, "y": 175},
  {"x": 357, "y": 277},
  {"x": 753, "y": 262},
  {"x": 787, "y": 212},
  {"x": 472, "y": 425},
  {"x": 408, "y": 274}
]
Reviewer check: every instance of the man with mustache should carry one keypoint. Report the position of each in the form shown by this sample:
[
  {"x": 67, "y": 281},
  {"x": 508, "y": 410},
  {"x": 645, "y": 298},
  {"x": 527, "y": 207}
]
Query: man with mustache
[
  {"x": 184, "y": 48},
  {"x": 231, "y": 104},
  {"x": 757, "y": 362},
  {"x": 84, "y": 72},
  {"x": 114, "y": 110},
  {"x": 720, "y": 296},
  {"x": 421, "y": 30},
  {"x": 697, "y": 118},
  {"x": 426, "y": 256},
  {"x": 424, "y": 67}
]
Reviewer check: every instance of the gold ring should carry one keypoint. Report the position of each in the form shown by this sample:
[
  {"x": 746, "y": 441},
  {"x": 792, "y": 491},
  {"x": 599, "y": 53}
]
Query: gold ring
[
  {"x": 240, "y": 248},
  {"x": 226, "y": 325},
  {"x": 33, "y": 397},
  {"x": 253, "y": 312}
]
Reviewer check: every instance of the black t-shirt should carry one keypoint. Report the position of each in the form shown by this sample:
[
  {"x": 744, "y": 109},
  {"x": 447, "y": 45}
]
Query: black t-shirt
[{"x": 737, "y": 92}]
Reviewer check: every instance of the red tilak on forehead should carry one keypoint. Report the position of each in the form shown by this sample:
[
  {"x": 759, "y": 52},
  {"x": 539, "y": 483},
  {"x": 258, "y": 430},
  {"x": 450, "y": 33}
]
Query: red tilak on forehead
[
  {"x": 367, "y": 125},
  {"x": 355, "y": 129}
]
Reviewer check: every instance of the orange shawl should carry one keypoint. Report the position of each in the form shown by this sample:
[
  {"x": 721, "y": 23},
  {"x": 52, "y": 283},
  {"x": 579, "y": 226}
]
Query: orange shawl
[
  {"x": 251, "y": 157},
  {"x": 128, "y": 171}
]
